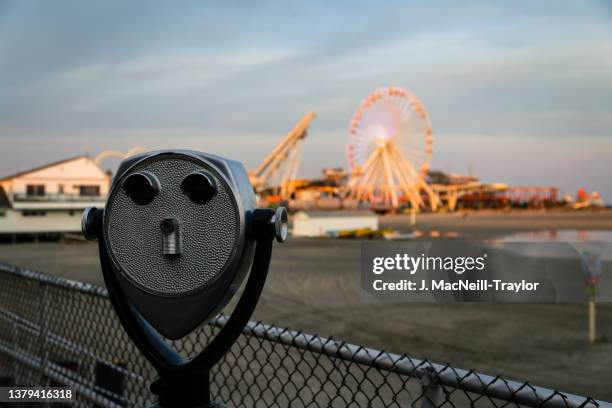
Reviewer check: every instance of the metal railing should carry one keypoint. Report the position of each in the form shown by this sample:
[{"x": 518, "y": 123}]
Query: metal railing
[{"x": 59, "y": 332}]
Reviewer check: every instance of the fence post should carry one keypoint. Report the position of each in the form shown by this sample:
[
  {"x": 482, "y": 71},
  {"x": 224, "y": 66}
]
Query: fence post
[
  {"x": 431, "y": 391},
  {"x": 43, "y": 307},
  {"x": 14, "y": 365}
]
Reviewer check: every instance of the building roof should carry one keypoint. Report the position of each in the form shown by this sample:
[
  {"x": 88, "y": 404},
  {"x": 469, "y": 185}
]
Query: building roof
[
  {"x": 21, "y": 173},
  {"x": 4, "y": 201}
]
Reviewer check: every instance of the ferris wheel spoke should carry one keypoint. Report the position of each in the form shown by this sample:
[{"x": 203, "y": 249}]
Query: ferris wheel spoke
[
  {"x": 416, "y": 161},
  {"x": 406, "y": 165},
  {"x": 412, "y": 155},
  {"x": 407, "y": 110},
  {"x": 411, "y": 170}
]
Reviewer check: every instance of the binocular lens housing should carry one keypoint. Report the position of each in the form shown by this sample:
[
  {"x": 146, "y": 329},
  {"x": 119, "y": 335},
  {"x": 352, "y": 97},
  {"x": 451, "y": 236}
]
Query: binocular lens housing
[
  {"x": 141, "y": 187},
  {"x": 199, "y": 187}
]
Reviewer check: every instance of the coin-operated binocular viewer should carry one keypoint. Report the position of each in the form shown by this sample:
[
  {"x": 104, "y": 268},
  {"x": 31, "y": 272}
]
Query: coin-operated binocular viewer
[{"x": 179, "y": 233}]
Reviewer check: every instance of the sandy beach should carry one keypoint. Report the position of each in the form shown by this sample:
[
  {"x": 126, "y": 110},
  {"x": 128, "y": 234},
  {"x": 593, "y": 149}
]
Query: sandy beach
[{"x": 498, "y": 222}]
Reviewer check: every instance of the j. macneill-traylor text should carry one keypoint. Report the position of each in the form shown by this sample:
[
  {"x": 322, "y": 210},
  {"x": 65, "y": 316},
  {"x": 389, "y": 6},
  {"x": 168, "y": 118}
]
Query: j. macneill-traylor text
[{"x": 478, "y": 285}]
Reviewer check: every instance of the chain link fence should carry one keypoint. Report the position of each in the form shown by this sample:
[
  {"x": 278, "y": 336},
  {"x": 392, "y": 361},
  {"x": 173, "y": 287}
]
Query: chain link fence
[{"x": 56, "y": 332}]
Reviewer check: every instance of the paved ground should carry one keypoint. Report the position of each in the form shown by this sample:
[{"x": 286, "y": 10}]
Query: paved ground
[{"x": 314, "y": 286}]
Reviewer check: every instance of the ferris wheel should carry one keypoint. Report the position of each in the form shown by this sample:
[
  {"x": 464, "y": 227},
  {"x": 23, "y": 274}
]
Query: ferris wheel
[{"x": 389, "y": 148}]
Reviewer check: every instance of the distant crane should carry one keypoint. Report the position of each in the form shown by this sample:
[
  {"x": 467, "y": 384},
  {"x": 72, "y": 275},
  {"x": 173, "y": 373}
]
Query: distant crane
[{"x": 279, "y": 169}]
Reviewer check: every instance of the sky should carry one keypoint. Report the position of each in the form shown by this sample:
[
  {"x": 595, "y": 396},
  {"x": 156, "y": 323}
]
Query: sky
[{"x": 518, "y": 92}]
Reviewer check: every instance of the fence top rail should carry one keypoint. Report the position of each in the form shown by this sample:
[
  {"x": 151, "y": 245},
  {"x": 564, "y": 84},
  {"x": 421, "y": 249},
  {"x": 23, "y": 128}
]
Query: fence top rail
[
  {"x": 468, "y": 380},
  {"x": 53, "y": 280},
  {"x": 497, "y": 387}
]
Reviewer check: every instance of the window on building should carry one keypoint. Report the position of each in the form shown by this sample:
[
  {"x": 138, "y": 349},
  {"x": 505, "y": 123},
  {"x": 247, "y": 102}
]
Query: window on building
[
  {"x": 60, "y": 189},
  {"x": 33, "y": 213},
  {"x": 89, "y": 191},
  {"x": 35, "y": 189}
]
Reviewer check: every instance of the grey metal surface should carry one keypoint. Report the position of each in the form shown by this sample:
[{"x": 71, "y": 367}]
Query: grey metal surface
[{"x": 209, "y": 231}]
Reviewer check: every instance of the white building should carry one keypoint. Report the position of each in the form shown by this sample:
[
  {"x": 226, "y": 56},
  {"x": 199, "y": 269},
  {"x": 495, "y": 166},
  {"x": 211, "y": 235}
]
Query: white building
[
  {"x": 50, "y": 199},
  {"x": 331, "y": 223}
]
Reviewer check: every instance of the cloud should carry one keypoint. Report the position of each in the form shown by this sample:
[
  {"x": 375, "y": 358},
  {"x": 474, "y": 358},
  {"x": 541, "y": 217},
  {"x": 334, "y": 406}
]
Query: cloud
[{"x": 233, "y": 78}]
